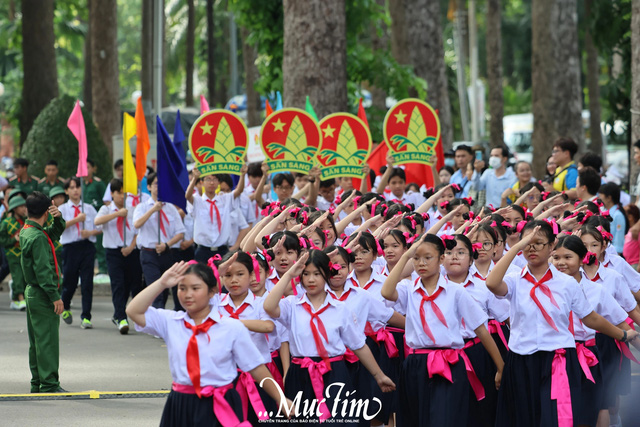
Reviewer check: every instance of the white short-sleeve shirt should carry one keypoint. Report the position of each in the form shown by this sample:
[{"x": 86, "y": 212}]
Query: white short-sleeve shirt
[
  {"x": 224, "y": 348},
  {"x": 365, "y": 306},
  {"x": 530, "y": 332},
  {"x": 110, "y": 230},
  {"x": 72, "y": 234}
]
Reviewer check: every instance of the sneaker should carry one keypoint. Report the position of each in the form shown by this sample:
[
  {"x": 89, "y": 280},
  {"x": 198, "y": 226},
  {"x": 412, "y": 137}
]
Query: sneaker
[
  {"x": 123, "y": 327},
  {"x": 15, "y": 305},
  {"x": 86, "y": 324},
  {"x": 23, "y": 305},
  {"x": 67, "y": 317}
]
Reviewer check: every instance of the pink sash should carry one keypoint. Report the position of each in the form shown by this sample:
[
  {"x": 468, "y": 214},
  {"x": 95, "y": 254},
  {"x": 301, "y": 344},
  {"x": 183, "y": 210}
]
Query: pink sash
[
  {"x": 316, "y": 371},
  {"x": 587, "y": 358},
  {"x": 439, "y": 361},
  {"x": 560, "y": 391},
  {"x": 221, "y": 408},
  {"x": 248, "y": 392},
  {"x": 495, "y": 328}
]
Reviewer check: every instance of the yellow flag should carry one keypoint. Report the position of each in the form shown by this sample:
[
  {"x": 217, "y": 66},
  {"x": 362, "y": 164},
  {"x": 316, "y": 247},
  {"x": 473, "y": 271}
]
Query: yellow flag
[{"x": 129, "y": 177}]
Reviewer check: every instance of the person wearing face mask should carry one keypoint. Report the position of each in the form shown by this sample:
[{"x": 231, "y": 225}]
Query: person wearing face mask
[{"x": 497, "y": 178}]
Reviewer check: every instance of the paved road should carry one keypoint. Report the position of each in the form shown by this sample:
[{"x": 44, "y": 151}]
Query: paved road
[
  {"x": 98, "y": 359},
  {"x": 101, "y": 359}
]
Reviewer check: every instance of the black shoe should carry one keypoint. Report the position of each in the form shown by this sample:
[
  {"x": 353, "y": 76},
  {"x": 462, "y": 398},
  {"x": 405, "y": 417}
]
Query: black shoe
[{"x": 60, "y": 390}]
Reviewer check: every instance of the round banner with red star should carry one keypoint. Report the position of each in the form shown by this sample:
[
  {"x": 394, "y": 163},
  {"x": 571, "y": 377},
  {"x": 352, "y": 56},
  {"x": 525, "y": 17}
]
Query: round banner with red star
[
  {"x": 290, "y": 139},
  {"x": 346, "y": 144},
  {"x": 218, "y": 141},
  {"x": 412, "y": 131}
]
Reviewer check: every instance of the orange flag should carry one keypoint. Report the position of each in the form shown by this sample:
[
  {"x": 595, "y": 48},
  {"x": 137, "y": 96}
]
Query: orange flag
[
  {"x": 268, "y": 109},
  {"x": 142, "y": 146}
]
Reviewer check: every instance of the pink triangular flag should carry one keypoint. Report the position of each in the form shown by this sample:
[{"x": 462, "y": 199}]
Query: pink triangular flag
[
  {"x": 76, "y": 126},
  {"x": 204, "y": 105}
]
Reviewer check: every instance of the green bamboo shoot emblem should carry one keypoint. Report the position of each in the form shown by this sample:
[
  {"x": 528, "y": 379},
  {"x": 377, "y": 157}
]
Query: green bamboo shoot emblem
[
  {"x": 341, "y": 154},
  {"x": 225, "y": 149},
  {"x": 295, "y": 147},
  {"x": 416, "y": 139}
]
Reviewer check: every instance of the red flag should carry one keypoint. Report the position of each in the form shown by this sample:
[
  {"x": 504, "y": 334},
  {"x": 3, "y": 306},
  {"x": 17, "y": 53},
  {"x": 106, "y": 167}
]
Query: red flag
[
  {"x": 204, "y": 105},
  {"x": 143, "y": 145},
  {"x": 268, "y": 109},
  {"x": 361, "y": 114},
  {"x": 76, "y": 126}
]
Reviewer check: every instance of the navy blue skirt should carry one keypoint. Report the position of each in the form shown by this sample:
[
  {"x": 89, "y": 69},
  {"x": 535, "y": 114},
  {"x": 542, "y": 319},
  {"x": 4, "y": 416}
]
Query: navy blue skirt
[
  {"x": 342, "y": 394},
  {"x": 592, "y": 394},
  {"x": 524, "y": 398},
  {"x": 433, "y": 401},
  {"x": 482, "y": 413},
  {"x": 616, "y": 375},
  {"x": 184, "y": 409}
]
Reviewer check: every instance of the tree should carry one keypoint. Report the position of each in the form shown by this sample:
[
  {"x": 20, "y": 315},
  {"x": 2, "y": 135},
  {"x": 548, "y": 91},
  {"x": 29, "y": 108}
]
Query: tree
[
  {"x": 40, "y": 83},
  {"x": 593, "y": 84},
  {"x": 191, "y": 36},
  {"x": 146, "y": 66},
  {"x": 635, "y": 76},
  {"x": 427, "y": 55},
  {"x": 556, "y": 89},
  {"x": 86, "y": 79},
  {"x": 399, "y": 36},
  {"x": 211, "y": 53},
  {"x": 104, "y": 69},
  {"x": 494, "y": 72},
  {"x": 315, "y": 55},
  {"x": 379, "y": 42},
  {"x": 250, "y": 77}
]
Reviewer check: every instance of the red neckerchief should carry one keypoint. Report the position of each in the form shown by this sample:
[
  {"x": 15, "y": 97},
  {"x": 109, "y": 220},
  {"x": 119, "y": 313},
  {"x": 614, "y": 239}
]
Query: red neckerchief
[
  {"x": 76, "y": 212},
  {"x": 318, "y": 330},
  {"x": 434, "y": 307},
  {"x": 193, "y": 355},
  {"x": 163, "y": 217},
  {"x": 53, "y": 251},
  {"x": 234, "y": 314},
  {"x": 213, "y": 206},
  {"x": 342, "y": 297},
  {"x": 120, "y": 223},
  {"x": 545, "y": 290}
]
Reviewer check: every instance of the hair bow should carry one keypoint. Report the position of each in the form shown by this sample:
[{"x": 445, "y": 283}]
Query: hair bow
[
  {"x": 374, "y": 206},
  {"x": 445, "y": 204},
  {"x": 191, "y": 262},
  {"x": 380, "y": 251},
  {"x": 334, "y": 266},
  {"x": 331, "y": 210},
  {"x": 544, "y": 195},
  {"x": 305, "y": 217},
  {"x": 256, "y": 267},
  {"x": 408, "y": 237},
  {"x": 456, "y": 187},
  {"x": 520, "y": 226},
  {"x": 303, "y": 242},
  {"x": 446, "y": 237},
  {"x": 266, "y": 255},
  {"x": 506, "y": 225},
  {"x": 493, "y": 224},
  {"x": 212, "y": 265},
  {"x": 469, "y": 200},
  {"x": 476, "y": 246},
  {"x": 590, "y": 258},
  {"x": 553, "y": 224},
  {"x": 425, "y": 216},
  {"x": 491, "y": 208},
  {"x": 338, "y": 199},
  {"x": 605, "y": 234},
  {"x": 577, "y": 202},
  {"x": 605, "y": 213},
  {"x": 598, "y": 203},
  {"x": 586, "y": 216},
  {"x": 326, "y": 233},
  {"x": 294, "y": 211},
  {"x": 356, "y": 200},
  {"x": 413, "y": 222}
]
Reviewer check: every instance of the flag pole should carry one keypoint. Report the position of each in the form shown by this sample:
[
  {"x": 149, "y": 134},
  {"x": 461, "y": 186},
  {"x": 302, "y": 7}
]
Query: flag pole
[
  {"x": 82, "y": 197},
  {"x": 124, "y": 228}
]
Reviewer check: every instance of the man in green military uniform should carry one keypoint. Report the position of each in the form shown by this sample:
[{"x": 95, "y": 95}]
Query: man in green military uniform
[
  {"x": 58, "y": 197},
  {"x": 22, "y": 181},
  {"x": 9, "y": 239},
  {"x": 51, "y": 178},
  {"x": 44, "y": 306},
  {"x": 93, "y": 193}
]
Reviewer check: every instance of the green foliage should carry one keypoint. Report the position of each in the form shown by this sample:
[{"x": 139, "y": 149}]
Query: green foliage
[{"x": 50, "y": 138}]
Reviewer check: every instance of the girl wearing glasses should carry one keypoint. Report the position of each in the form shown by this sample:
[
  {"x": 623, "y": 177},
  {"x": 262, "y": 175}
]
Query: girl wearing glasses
[
  {"x": 571, "y": 257},
  {"x": 542, "y": 372},
  {"x": 457, "y": 264},
  {"x": 436, "y": 372}
]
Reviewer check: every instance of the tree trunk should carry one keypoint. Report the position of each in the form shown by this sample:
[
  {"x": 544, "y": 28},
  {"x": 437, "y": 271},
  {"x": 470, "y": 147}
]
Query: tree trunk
[
  {"x": 593, "y": 74},
  {"x": 86, "y": 81},
  {"x": 494, "y": 72},
  {"x": 40, "y": 80},
  {"x": 146, "y": 73},
  {"x": 211, "y": 52},
  {"x": 556, "y": 89},
  {"x": 104, "y": 69},
  {"x": 399, "y": 36},
  {"x": 315, "y": 55},
  {"x": 427, "y": 56},
  {"x": 250, "y": 77},
  {"x": 191, "y": 41},
  {"x": 379, "y": 41},
  {"x": 568, "y": 88},
  {"x": 635, "y": 83}
]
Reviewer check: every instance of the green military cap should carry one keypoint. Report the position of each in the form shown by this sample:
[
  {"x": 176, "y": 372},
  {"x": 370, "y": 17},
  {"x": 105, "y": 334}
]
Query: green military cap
[
  {"x": 56, "y": 191},
  {"x": 16, "y": 202}
]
